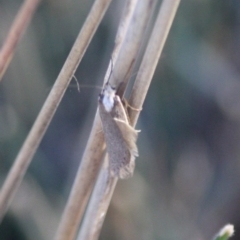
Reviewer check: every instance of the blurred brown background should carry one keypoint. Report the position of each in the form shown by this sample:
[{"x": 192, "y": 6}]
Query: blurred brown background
[{"x": 186, "y": 183}]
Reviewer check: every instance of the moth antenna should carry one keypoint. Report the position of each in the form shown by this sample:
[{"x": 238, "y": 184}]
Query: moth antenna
[
  {"x": 90, "y": 86},
  {"x": 84, "y": 86},
  {"x": 135, "y": 73},
  {"x": 78, "y": 86},
  {"x": 111, "y": 61}
]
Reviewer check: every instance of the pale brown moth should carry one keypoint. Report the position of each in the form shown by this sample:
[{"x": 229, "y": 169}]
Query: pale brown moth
[{"x": 119, "y": 136}]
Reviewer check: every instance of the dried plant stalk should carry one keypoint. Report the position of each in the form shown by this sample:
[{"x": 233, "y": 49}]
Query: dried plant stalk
[
  {"x": 154, "y": 49},
  {"x": 31, "y": 143},
  {"x": 127, "y": 44},
  {"x": 98, "y": 205},
  {"x": 16, "y": 32},
  {"x": 106, "y": 183}
]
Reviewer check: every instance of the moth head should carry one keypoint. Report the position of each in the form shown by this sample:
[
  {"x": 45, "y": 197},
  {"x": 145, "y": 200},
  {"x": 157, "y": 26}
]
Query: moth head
[{"x": 106, "y": 97}]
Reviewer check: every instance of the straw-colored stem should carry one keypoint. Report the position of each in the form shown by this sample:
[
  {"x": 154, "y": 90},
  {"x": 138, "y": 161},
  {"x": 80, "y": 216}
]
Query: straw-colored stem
[
  {"x": 154, "y": 49},
  {"x": 31, "y": 143},
  {"x": 99, "y": 202},
  {"x": 105, "y": 185},
  {"x": 16, "y": 32},
  {"x": 127, "y": 44}
]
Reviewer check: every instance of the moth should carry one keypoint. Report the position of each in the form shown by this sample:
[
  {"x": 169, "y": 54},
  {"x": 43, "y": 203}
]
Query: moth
[{"x": 119, "y": 136}]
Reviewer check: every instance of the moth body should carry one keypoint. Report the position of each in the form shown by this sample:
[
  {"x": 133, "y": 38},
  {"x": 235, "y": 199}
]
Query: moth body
[
  {"x": 120, "y": 137},
  {"x": 108, "y": 95}
]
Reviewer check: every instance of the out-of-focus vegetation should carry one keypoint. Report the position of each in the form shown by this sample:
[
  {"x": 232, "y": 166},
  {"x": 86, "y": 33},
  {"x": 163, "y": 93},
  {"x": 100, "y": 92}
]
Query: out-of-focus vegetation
[
  {"x": 186, "y": 183},
  {"x": 225, "y": 233}
]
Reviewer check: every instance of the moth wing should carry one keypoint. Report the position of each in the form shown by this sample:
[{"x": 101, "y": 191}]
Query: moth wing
[
  {"x": 120, "y": 161},
  {"x": 128, "y": 132},
  {"x": 130, "y": 136},
  {"x": 127, "y": 170}
]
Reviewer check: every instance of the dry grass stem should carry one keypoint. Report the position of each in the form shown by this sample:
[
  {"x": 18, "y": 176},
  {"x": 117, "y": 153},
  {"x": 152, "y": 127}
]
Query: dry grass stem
[
  {"x": 31, "y": 143},
  {"x": 16, "y": 32},
  {"x": 130, "y": 46},
  {"x": 154, "y": 49},
  {"x": 105, "y": 185},
  {"x": 98, "y": 205},
  {"x": 127, "y": 44}
]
